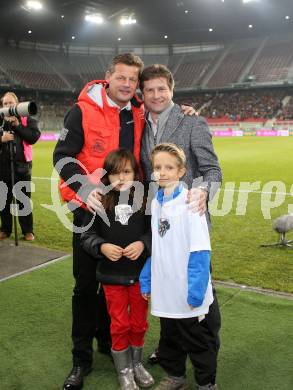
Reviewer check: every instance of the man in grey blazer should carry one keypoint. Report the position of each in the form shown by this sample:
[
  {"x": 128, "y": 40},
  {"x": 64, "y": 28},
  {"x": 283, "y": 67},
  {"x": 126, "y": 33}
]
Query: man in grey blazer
[{"x": 165, "y": 122}]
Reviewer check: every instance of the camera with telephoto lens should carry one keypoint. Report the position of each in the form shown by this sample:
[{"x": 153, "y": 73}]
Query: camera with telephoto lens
[{"x": 20, "y": 109}]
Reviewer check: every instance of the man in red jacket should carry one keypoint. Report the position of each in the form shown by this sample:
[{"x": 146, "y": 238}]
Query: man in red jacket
[{"x": 107, "y": 116}]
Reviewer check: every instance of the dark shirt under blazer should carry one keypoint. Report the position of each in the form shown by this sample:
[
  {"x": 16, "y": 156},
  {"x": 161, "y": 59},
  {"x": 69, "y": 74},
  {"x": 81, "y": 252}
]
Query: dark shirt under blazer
[{"x": 192, "y": 134}]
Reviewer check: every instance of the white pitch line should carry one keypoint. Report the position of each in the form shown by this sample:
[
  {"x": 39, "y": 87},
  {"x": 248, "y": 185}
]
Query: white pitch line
[
  {"x": 257, "y": 192},
  {"x": 258, "y": 290},
  {"x": 36, "y": 267}
]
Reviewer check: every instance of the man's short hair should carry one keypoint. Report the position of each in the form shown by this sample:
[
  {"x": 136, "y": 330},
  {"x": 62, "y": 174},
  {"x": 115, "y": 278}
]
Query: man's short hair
[
  {"x": 129, "y": 59},
  {"x": 154, "y": 72}
]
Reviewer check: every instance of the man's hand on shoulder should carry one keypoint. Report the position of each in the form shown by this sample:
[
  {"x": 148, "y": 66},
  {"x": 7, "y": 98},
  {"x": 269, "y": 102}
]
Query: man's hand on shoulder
[
  {"x": 93, "y": 201},
  {"x": 188, "y": 110},
  {"x": 197, "y": 200}
]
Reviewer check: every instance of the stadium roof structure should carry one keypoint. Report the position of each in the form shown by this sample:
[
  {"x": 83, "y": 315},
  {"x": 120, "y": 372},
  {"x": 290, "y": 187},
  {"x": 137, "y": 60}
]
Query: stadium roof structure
[{"x": 158, "y": 21}]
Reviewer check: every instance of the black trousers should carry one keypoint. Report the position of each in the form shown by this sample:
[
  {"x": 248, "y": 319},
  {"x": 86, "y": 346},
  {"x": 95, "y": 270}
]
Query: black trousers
[
  {"x": 26, "y": 222},
  {"x": 198, "y": 340},
  {"x": 90, "y": 317}
]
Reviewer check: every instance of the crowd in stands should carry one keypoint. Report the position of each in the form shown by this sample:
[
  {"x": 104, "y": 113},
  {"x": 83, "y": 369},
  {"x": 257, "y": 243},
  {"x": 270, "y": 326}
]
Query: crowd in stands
[
  {"x": 247, "y": 105},
  {"x": 51, "y": 115},
  {"x": 286, "y": 114},
  {"x": 197, "y": 101}
]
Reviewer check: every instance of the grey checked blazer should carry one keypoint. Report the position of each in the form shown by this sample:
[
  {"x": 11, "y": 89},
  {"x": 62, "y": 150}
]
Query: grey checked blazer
[{"x": 192, "y": 134}]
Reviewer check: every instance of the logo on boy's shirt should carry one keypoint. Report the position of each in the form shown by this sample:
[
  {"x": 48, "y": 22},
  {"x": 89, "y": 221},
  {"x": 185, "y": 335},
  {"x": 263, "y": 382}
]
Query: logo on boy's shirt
[{"x": 163, "y": 226}]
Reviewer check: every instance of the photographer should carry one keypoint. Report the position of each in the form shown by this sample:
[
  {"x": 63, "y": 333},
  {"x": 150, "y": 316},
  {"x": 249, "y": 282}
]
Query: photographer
[{"x": 19, "y": 133}]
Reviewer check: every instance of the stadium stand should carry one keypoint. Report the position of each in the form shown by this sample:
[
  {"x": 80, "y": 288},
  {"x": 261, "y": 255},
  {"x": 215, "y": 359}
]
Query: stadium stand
[
  {"x": 231, "y": 67},
  {"x": 65, "y": 67},
  {"x": 274, "y": 61},
  {"x": 199, "y": 101},
  {"x": 4, "y": 80},
  {"x": 203, "y": 67},
  {"x": 90, "y": 67},
  {"x": 149, "y": 59},
  {"x": 202, "y": 75},
  {"x": 32, "y": 71},
  {"x": 251, "y": 106},
  {"x": 189, "y": 70}
]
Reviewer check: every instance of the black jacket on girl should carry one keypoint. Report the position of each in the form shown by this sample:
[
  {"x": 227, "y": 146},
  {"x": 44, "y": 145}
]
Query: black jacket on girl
[{"x": 125, "y": 227}]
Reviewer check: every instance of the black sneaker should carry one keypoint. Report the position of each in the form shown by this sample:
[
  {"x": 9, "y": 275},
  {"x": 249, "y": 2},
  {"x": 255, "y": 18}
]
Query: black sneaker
[
  {"x": 74, "y": 381},
  {"x": 208, "y": 387},
  {"x": 154, "y": 358}
]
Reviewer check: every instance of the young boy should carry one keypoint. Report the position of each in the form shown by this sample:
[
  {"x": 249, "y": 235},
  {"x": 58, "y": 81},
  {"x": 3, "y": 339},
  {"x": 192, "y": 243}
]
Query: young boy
[{"x": 178, "y": 278}]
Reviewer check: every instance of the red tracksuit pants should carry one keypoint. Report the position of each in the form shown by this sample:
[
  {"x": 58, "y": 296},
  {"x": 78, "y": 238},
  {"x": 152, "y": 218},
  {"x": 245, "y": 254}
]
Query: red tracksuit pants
[{"x": 128, "y": 311}]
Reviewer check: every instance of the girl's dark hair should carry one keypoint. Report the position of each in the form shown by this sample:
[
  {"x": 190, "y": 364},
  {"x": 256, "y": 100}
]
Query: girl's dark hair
[{"x": 115, "y": 163}]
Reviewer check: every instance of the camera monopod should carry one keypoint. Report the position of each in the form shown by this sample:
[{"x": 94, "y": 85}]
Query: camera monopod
[{"x": 12, "y": 154}]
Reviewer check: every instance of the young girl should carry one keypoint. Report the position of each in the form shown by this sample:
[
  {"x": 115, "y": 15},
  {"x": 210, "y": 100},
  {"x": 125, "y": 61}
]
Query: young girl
[
  {"x": 121, "y": 241},
  {"x": 178, "y": 278}
]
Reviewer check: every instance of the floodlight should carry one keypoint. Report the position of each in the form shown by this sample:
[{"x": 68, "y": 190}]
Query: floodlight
[
  {"x": 248, "y": 1},
  {"x": 34, "y": 5},
  {"x": 127, "y": 20},
  {"x": 94, "y": 18}
]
